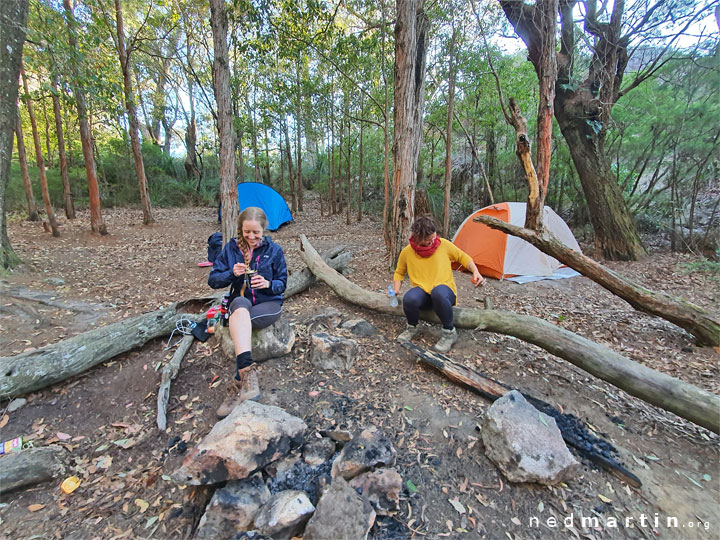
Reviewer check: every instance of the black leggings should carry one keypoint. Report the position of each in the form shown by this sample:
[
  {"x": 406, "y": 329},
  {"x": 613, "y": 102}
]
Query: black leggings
[
  {"x": 440, "y": 300},
  {"x": 261, "y": 315}
]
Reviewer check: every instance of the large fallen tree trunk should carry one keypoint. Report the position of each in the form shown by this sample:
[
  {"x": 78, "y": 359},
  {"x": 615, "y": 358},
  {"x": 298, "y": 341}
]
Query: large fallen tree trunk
[
  {"x": 684, "y": 399},
  {"x": 702, "y": 324},
  {"x": 33, "y": 370}
]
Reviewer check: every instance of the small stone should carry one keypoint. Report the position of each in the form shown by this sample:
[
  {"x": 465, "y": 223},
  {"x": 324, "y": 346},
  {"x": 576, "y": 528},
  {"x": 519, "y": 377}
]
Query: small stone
[
  {"x": 318, "y": 451},
  {"x": 329, "y": 319},
  {"x": 339, "y": 435},
  {"x": 284, "y": 515},
  {"x": 360, "y": 327},
  {"x": 332, "y": 352},
  {"x": 341, "y": 514},
  {"x": 54, "y": 281},
  {"x": 15, "y": 404},
  {"x": 381, "y": 487},
  {"x": 368, "y": 450}
]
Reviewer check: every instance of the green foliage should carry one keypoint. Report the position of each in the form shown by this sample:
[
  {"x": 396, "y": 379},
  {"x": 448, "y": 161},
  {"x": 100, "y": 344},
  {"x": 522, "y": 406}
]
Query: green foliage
[{"x": 703, "y": 265}]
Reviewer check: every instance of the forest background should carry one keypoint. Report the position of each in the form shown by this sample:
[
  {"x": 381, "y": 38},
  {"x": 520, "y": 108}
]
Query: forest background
[{"x": 311, "y": 91}]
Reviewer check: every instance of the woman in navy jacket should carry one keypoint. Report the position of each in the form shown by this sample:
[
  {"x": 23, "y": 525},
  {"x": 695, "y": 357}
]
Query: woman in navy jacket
[{"x": 254, "y": 266}]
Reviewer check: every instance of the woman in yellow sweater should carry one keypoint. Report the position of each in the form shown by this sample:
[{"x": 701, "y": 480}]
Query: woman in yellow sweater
[{"x": 428, "y": 263}]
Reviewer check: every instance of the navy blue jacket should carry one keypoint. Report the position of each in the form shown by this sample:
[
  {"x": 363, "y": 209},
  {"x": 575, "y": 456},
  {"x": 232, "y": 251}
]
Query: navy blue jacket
[{"x": 269, "y": 261}]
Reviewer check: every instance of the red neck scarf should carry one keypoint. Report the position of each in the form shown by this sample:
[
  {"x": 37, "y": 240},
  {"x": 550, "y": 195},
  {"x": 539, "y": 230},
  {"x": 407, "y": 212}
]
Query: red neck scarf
[{"x": 425, "y": 251}]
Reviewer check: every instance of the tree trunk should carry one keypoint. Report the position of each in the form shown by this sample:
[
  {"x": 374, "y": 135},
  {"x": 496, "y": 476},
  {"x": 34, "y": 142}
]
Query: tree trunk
[
  {"x": 616, "y": 237},
  {"x": 547, "y": 74},
  {"x": 22, "y": 158},
  {"x": 67, "y": 194},
  {"x": 411, "y": 27},
  {"x": 39, "y": 159},
  {"x": 124, "y": 55},
  {"x": 448, "y": 135},
  {"x": 331, "y": 182},
  {"x": 671, "y": 394},
  {"x": 291, "y": 176},
  {"x": 221, "y": 86},
  {"x": 360, "y": 172},
  {"x": 702, "y": 324},
  {"x": 33, "y": 370},
  {"x": 298, "y": 135},
  {"x": 96, "y": 221},
  {"x": 386, "y": 135},
  {"x": 12, "y": 37}
]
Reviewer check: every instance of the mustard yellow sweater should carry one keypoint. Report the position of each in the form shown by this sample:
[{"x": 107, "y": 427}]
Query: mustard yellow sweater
[{"x": 429, "y": 272}]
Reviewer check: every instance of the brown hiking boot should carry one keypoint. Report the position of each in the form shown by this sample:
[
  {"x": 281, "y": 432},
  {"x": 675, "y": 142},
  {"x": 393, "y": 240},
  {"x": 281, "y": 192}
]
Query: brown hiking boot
[{"x": 246, "y": 388}]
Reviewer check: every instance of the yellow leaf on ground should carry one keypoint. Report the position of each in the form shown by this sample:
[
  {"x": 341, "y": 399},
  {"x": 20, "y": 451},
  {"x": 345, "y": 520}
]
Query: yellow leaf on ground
[
  {"x": 36, "y": 507},
  {"x": 142, "y": 504},
  {"x": 604, "y": 499}
]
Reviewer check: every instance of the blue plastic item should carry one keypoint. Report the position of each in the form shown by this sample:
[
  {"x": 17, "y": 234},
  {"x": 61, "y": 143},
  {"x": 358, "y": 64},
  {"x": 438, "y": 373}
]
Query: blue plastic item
[{"x": 393, "y": 297}]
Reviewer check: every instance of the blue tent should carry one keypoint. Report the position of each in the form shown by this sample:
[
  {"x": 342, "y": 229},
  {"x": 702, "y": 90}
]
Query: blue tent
[{"x": 265, "y": 197}]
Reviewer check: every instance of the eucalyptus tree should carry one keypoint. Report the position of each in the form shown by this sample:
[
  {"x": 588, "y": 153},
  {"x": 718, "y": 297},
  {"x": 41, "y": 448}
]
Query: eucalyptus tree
[
  {"x": 52, "y": 222},
  {"x": 22, "y": 158},
  {"x": 97, "y": 225},
  {"x": 12, "y": 35},
  {"x": 411, "y": 30},
  {"x": 221, "y": 88},
  {"x": 124, "y": 52},
  {"x": 587, "y": 91}
]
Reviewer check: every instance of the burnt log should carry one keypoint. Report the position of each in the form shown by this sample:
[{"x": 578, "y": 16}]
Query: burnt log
[
  {"x": 668, "y": 393},
  {"x": 702, "y": 324},
  {"x": 169, "y": 373}
]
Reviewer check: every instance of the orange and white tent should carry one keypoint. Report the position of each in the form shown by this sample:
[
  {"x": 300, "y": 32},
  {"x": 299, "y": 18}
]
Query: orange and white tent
[{"x": 500, "y": 255}]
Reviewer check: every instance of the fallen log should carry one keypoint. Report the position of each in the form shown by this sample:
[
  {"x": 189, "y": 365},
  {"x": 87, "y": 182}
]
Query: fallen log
[
  {"x": 33, "y": 370},
  {"x": 574, "y": 431},
  {"x": 169, "y": 373},
  {"x": 702, "y": 324},
  {"x": 668, "y": 393},
  {"x": 30, "y": 466}
]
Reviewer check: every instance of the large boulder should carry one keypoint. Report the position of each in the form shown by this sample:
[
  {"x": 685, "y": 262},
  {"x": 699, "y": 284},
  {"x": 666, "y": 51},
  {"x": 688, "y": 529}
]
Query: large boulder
[
  {"x": 332, "y": 352},
  {"x": 341, "y": 514},
  {"x": 233, "y": 508},
  {"x": 272, "y": 342},
  {"x": 250, "y": 437},
  {"x": 524, "y": 443}
]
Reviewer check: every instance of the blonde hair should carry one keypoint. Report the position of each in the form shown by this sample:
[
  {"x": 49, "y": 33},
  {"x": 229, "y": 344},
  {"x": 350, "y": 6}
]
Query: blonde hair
[{"x": 251, "y": 213}]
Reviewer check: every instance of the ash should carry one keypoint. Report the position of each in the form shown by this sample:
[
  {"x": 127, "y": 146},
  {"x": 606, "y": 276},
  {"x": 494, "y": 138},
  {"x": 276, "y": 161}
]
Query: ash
[{"x": 303, "y": 477}]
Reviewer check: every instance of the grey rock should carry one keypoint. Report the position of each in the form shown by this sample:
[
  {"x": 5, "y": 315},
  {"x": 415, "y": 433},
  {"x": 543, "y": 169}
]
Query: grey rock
[
  {"x": 329, "y": 319},
  {"x": 233, "y": 508},
  {"x": 368, "y": 450},
  {"x": 318, "y": 451},
  {"x": 54, "y": 281},
  {"x": 250, "y": 437},
  {"x": 332, "y": 352},
  {"x": 272, "y": 342},
  {"x": 338, "y": 435},
  {"x": 360, "y": 327},
  {"x": 252, "y": 535},
  {"x": 382, "y": 488},
  {"x": 16, "y": 403},
  {"x": 524, "y": 443},
  {"x": 284, "y": 515},
  {"x": 341, "y": 514}
]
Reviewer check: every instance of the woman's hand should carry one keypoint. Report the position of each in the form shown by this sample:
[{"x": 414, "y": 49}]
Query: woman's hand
[
  {"x": 238, "y": 269},
  {"x": 477, "y": 279},
  {"x": 259, "y": 282}
]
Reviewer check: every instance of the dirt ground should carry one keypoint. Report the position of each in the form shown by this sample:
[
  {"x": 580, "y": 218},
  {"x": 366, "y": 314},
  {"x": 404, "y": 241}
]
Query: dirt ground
[{"x": 106, "y": 417}]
